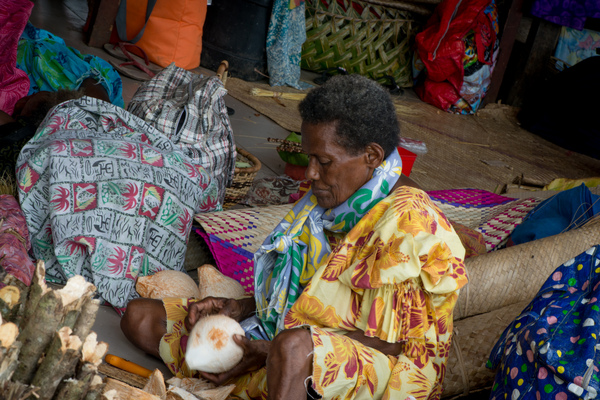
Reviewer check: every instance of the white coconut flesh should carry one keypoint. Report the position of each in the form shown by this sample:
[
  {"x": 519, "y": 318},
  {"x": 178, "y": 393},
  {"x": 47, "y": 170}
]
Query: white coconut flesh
[{"x": 211, "y": 347}]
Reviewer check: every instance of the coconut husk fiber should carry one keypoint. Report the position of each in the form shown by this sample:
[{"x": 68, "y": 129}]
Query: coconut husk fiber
[
  {"x": 479, "y": 151},
  {"x": 515, "y": 274},
  {"x": 472, "y": 341}
]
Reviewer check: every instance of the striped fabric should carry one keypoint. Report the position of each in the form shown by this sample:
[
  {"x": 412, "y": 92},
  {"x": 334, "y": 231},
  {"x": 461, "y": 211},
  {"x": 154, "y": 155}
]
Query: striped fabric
[{"x": 190, "y": 110}]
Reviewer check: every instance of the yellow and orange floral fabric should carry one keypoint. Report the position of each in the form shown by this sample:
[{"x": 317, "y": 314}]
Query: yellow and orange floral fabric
[{"x": 395, "y": 276}]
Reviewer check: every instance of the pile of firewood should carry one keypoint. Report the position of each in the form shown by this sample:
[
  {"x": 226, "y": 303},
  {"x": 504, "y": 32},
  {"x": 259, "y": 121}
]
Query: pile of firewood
[{"x": 47, "y": 349}]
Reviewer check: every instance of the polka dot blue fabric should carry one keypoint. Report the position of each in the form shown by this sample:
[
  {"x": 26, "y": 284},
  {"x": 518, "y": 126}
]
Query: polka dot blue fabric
[{"x": 551, "y": 351}]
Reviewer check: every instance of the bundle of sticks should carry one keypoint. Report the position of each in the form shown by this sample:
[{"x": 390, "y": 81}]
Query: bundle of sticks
[{"x": 47, "y": 348}]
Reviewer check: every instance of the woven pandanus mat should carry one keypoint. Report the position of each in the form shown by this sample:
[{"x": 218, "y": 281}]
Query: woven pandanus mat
[
  {"x": 233, "y": 237},
  {"x": 367, "y": 39},
  {"x": 515, "y": 274},
  {"x": 472, "y": 341}
]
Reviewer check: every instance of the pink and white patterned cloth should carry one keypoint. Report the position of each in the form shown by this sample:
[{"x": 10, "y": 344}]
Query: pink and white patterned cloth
[
  {"x": 14, "y": 83},
  {"x": 14, "y": 242},
  {"x": 493, "y": 215},
  {"x": 108, "y": 196}
]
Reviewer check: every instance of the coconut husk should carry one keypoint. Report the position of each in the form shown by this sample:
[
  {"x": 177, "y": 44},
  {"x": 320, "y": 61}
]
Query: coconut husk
[
  {"x": 156, "y": 385},
  {"x": 191, "y": 384},
  {"x": 116, "y": 390},
  {"x": 177, "y": 393},
  {"x": 167, "y": 283},
  {"x": 218, "y": 393},
  {"x": 211, "y": 282}
]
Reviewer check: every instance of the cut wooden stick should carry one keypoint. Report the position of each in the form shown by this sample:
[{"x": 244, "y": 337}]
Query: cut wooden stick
[
  {"x": 59, "y": 362},
  {"x": 37, "y": 290},
  {"x": 16, "y": 390},
  {"x": 9, "y": 302},
  {"x": 75, "y": 389},
  {"x": 71, "y": 389},
  {"x": 37, "y": 334},
  {"x": 218, "y": 393},
  {"x": 87, "y": 317},
  {"x": 74, "y": 295},
  {"x": 92, "y": 352},
  {"x": 96, "y": 387},
  {"x": 9, "y": 361},
  {"x": 278, "y": 95},
  {"x": 8, "y": 334},
  {"x": 123, "y": 376}
]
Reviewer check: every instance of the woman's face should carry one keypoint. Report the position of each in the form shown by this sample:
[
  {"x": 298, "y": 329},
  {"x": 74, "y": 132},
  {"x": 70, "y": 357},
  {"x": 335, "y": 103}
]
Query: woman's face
[{"x": 335, "y": 173}]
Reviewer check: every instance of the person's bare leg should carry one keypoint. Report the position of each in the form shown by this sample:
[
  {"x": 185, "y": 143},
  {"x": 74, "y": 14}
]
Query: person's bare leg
[
  {"x": 289, "y": 364},
  {"x": 144, "y": 324}
]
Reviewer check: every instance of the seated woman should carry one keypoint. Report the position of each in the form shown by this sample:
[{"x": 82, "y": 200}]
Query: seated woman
[
  {"x": 354, "y": 289},
  {"x": 52, "y": 65},
  {"x": 34, "y": 60}
]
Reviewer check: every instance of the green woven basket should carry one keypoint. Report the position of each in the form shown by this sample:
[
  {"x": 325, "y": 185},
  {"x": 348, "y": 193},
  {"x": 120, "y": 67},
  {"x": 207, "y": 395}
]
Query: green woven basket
[{"x": 363, "y": 37}]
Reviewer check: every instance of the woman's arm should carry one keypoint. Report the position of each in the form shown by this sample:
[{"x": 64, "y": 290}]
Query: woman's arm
[{"x": 390, "y": 349}]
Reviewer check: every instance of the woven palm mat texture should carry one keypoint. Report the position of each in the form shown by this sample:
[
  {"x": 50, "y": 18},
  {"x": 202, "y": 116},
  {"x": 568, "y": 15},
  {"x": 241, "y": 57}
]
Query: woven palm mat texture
[
  {"x": 472, "y": 341},
  {"x": 481, "y": 151},
  {"x": 235, "y": 235},
  {"x": 515, "y": 274}
]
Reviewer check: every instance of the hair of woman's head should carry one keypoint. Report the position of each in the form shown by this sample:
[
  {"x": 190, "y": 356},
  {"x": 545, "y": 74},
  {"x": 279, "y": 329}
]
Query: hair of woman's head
[
  {"x": 37, "y": 107},
  {"x": 361, "y": 109}
]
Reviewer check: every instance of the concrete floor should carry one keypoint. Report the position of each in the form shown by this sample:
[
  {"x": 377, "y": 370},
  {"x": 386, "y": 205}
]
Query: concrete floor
[{"x": 66, "y": 19}]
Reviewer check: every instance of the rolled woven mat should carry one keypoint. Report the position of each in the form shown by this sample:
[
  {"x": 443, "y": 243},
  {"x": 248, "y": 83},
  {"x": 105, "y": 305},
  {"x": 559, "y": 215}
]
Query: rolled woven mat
[
  {"x": 515, "y": 274},
  {"x": 472, "y": 341}
]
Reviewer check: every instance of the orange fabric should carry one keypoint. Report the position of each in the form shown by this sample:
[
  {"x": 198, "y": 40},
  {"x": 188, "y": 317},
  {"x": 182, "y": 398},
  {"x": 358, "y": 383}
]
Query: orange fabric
[{"x": 173, "y": 32}]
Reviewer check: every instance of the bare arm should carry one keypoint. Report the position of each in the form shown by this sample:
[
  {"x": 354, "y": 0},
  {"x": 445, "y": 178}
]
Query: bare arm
[{"x": 390, "y": 349}]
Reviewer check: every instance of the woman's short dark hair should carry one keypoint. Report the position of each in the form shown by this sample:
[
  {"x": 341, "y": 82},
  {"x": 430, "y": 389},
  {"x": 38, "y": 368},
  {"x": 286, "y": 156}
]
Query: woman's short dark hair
[{"x": 362, "y": 109}]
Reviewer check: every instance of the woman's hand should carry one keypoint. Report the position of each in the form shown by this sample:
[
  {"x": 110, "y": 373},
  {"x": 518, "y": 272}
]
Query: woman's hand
[
  {"x": 236, "y": 309},
  {"x": 255, "y": 356}
]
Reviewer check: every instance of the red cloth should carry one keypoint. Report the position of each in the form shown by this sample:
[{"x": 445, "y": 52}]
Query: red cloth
[
  {"x": 14, "y": 83},
  {"x": 14, "y": 241},
  {"x": 441, "y": 48}
]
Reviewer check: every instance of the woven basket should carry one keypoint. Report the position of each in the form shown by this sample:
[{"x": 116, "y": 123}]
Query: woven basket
[
  {"x": 242, "y": 179},
  {"x": 368, "y": 38}
]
